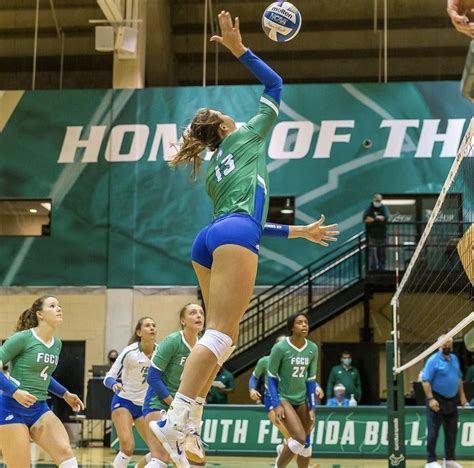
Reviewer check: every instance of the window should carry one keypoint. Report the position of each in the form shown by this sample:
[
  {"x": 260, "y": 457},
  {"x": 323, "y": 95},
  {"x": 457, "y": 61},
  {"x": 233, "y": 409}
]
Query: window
[
  {"x": 281, "y": 210},
  {"x": 22, "y": 217}
]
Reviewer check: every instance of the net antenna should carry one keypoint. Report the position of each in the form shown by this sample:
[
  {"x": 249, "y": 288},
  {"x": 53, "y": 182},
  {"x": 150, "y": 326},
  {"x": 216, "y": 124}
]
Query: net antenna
[{"x": 435, "y": 296}]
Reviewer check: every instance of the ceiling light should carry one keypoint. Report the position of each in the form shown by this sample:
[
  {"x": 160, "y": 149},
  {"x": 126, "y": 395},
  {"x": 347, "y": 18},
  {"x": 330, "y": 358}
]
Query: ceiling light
[
  {"x": 288, "y": 209},
  {"x": 33, "y": 210},
  {"x": 46, "y": 206}
]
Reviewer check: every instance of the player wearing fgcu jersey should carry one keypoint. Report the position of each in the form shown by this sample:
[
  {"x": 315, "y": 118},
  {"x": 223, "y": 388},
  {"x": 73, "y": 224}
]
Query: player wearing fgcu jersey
[
  {"x": 292, "y": 386},
  {"x": 261, "y": 371},
  {"x": 164, "y": 376},
  {"x": 33, "y": 352},
  {"x": 225, "y": 253},
  {"x": 127, "y": 378}
]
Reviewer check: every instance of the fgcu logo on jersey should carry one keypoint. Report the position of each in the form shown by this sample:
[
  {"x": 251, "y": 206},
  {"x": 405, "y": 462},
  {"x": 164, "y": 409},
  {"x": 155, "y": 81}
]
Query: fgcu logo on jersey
[
  {"x": 47, "y": 358},
  {"x": 294, "y": 139},
  {"x": 300, "y": 361}
]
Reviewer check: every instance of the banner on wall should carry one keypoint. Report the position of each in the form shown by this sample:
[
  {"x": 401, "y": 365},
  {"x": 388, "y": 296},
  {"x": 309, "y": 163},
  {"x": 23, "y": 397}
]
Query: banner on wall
[
  {"x": 352, "y": 432},
  {"x": 121, "y": 217}
]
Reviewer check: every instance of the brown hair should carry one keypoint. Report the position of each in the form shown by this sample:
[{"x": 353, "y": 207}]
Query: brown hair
[
  {"x": 201, "y": 134},
  {"x": 135, "y": 338},
  {"x": 29, "y": 318}
]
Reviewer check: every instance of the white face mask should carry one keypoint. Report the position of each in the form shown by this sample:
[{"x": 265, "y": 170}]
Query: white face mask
[{"x": 377, "y": 204}]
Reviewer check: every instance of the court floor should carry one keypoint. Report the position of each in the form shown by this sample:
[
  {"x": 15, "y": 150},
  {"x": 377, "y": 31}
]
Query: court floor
[{"x": 100, "y": 457}]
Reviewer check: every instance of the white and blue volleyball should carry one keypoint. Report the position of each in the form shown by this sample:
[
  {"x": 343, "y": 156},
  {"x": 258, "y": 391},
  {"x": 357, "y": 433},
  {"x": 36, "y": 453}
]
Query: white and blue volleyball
[{"x": 281, "y": 21}]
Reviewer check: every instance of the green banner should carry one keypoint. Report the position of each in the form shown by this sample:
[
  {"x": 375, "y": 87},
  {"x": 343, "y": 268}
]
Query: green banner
[
  {"x": 121, "y": 217},
  {"x": 339, "y": 432}
]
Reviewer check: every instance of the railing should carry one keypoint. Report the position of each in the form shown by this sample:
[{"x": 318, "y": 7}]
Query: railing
[
  {"x": 303, "y": 291},
  {"x": 404, "y": 236}
]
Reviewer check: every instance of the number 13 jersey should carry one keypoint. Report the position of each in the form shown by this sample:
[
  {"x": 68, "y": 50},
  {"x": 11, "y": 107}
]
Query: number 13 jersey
[{"x": 237, "y": 177}]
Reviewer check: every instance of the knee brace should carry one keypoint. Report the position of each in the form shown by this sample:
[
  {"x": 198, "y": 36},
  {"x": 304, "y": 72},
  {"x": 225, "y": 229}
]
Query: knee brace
[
  {"x": 295, "y": 446},
  {"x": 226, "y": 355},
  {"x": 71, "y": 463},
  {"x": 218, "y": 343},
  {"x": 306, "y": 452}
]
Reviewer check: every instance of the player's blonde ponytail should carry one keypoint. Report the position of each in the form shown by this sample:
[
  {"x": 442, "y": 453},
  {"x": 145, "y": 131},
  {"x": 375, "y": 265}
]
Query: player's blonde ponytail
[
  {"x": 201, "y": 134},
  {"x": 29, "y": 319}
]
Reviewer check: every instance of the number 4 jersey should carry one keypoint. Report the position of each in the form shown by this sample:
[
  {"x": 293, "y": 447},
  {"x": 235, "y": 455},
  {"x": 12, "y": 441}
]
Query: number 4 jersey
[
  {"x": 237, "y": 178},
  {"x": 294, "y": 367},
  {"x": 32, "y": 361}
]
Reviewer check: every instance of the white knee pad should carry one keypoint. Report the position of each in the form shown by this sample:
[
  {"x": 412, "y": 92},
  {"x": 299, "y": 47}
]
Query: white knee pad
[
  {"x": 295, "y": 446},
  {"x": 148, "y": 457},
  {"x": 226, "y": 356},
  {"x": 218, "y": 343},
  {"x": 71, "y": 463},
  {"x": 306, "y": 452}
]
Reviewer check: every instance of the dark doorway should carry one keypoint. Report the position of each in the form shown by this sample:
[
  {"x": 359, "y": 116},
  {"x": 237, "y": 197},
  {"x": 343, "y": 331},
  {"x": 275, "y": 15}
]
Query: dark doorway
[
  {"x": 365, "y": 358},
  {"x": 70, "y": 373}
]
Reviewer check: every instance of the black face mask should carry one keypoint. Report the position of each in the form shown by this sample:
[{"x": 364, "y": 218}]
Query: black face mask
[
  {"x": 446, "y": 351},
  {"x": 112, "y": 359}
]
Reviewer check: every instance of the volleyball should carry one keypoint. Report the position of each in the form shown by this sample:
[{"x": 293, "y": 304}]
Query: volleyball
[{"x": 281, "y": 21}]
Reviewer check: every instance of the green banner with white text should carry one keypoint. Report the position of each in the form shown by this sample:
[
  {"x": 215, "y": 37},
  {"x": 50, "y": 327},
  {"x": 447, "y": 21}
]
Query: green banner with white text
[
  {"x": 359, "y": 432},
  {"x": 121, "y": 217}
]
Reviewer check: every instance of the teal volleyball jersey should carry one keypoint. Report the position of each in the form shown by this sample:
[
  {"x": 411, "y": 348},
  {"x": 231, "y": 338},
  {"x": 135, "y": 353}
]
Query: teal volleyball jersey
[
  {"x": 32, "y": 361},
  {"x": 293, "y": 367},
  {"x": 237, "y": 177}
]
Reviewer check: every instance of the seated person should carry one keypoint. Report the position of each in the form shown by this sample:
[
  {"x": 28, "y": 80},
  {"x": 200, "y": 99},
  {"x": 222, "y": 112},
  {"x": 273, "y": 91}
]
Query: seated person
[{"x": 339, "y": 397}]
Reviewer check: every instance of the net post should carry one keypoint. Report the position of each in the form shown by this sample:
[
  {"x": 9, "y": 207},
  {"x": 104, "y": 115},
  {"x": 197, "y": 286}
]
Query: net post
[{"x": 395, "y": 412}]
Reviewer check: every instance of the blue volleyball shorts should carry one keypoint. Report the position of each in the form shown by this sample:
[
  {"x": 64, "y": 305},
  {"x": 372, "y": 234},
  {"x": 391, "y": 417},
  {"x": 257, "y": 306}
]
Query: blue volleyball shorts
[
  {"x": 235, "y": 229},
  {"x": 11, "y": 412},
  {"x": 133, "y": 409}
]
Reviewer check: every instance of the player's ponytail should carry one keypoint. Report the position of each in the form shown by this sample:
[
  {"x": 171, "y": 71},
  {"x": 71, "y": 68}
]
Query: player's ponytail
[
  {"x": 29, "y": 318},
  {"x": 201, "y": 134}
]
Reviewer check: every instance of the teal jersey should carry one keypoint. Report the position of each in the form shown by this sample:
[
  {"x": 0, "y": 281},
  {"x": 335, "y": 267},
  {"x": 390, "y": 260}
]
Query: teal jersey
[
  {"x": 237, "y": 177},
  {"x": 293, "y": 367},
  {"x": 32, "y": 361},
  {"x": 261, "y": 369},
  {"x": 170, "y": 357}
]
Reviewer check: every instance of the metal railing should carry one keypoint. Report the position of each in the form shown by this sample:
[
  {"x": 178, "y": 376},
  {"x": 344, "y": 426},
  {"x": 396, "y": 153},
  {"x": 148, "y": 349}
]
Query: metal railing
[{"x": 303, "y": 291}]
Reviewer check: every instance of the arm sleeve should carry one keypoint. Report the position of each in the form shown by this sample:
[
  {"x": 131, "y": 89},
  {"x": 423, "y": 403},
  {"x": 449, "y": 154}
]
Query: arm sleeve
[
  {"x": 253, "y": 382},
  {"x": 276, "y": 230},
  {"x": 6, "y": 385},
  {"x": 269, "y": 78},
  {"x": 273, "y": 370},
  {"x": 386, "y": 213},
  {"x": 109, "y": 382},
  {"x": 12, "y": 347},
  {"x": 311, "y": 393},
  {"x": 155, "y": 381},
  {"x": 273, "y": 389},
  {"x": 56, "y": 388},
  {"x": 366, "y": 213}
]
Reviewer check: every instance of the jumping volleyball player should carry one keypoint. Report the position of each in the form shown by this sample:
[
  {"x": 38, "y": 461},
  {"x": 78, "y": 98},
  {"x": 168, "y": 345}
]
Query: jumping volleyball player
[
  {"x": 131, "y": 368},
  {"x": 164, "y": 377},
  {"x": 33, "y": 352},
  {"x": 225, "y": 253},
  {"x": 292, "y": 385}
]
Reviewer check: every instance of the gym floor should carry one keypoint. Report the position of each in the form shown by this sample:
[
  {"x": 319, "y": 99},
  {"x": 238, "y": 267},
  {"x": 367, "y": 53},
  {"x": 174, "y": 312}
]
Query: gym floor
[{"x": 99, "y": 457}]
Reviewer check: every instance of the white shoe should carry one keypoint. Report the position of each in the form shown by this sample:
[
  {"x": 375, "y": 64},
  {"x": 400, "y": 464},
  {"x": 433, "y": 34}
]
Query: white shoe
[
  {"x": 172, "y": 440},
  {"x": 194, "y": 449},
  {"x": 451, "y": 464},
  {"x": 433, "y": 465}
]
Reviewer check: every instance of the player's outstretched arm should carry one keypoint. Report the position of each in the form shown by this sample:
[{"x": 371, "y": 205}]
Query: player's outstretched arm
[
  {"x": 460, "y": 22},
  {"x": 315, "y": 232}
]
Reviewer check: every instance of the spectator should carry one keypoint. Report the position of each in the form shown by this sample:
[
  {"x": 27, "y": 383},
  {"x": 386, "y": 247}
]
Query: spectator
[
  {"x": 375, "y": 218},
  {"x": 112, "y": 356},
  {"x": 442, "y": 383},
  {"x": 346, "y": 375},
  {"x": 339, "y": 398},
  {"x": 460, "y": 19},
  {"x": 223, "y": 385}
]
